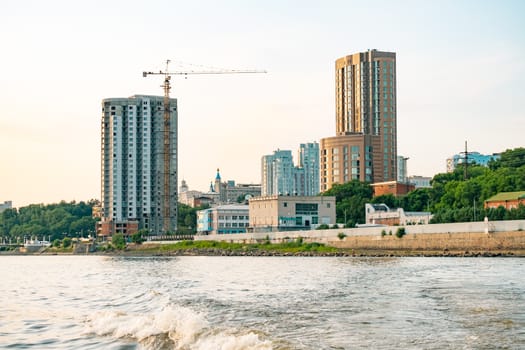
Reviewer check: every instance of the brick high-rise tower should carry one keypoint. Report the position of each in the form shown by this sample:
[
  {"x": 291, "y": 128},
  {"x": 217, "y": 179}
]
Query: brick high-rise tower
[{"x": 365, "y": 145}]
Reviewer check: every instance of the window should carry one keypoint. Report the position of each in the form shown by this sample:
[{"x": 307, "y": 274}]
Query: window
[{"x": 306, "y": 209}]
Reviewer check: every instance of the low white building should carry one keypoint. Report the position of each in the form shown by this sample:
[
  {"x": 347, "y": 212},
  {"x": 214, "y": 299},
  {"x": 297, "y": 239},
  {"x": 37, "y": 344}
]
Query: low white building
[
  {"x": 286, "y": 213},
  {"x": 6, "y": 205},
  {"x": 381, "y": 214},
  {"x": 223, "y": 219}
]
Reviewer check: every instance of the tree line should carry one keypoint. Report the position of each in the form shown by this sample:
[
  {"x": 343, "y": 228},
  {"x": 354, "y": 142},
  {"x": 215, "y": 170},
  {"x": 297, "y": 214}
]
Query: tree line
[
  {"x": 69, "y": 220},
  {"x": 50, "y": 221},
  {"x": 452, "y": 197}
]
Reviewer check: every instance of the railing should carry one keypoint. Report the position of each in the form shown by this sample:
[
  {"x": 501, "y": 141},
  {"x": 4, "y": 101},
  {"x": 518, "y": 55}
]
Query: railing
[{"x": 187, "y": 237}]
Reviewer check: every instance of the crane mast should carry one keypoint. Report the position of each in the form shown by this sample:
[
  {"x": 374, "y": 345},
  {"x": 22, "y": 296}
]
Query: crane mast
[{"x": 166, "y": 196}]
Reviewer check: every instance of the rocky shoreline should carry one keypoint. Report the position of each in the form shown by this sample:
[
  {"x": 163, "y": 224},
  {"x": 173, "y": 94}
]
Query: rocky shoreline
[
  {"x": 339, "y": 253},
  {"x": 141, "y": 251}
]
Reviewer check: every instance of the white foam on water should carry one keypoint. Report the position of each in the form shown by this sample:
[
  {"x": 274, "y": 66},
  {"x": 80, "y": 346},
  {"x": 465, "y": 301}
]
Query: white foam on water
[
  {"x": 225, "y": 341},
  {"x": 181, "y": 324},
  {"x": 173, "y": 326}
]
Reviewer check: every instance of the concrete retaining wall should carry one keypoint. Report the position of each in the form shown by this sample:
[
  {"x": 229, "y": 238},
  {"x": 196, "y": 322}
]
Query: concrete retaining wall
[
  {"x": 438, "y": 241},
  {"x": 455, "y": 236}
]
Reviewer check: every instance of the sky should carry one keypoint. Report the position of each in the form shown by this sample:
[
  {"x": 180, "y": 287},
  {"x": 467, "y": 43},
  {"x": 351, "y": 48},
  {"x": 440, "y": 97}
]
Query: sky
[{"x": 460, "y": 77}]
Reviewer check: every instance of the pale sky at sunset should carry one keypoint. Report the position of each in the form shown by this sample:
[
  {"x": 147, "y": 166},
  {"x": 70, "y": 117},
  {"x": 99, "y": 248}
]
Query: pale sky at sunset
[{"x": 460, "y": 76}]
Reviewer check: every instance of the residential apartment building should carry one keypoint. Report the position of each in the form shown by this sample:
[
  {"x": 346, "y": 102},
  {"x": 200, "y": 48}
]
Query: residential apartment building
[
  {"x": 281, "y": 177},
  {"x": 288, "y": 213},
  {"x": 223, "y": 219},
  {"x": 307, "y": 180},
  {"x": 402, "y": 175},
  {"x": 133, "y": 178},
  {"x": 277, "y": 173},
  {"x": 366, "y": 121}
]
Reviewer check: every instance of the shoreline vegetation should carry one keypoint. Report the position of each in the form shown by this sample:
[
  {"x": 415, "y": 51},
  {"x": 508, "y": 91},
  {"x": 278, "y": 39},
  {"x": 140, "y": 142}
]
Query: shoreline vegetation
[{"x": 213, "y": 248}]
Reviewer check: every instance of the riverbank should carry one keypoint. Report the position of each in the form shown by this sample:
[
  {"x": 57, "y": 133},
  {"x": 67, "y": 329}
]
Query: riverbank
[{"x": 300, "y": 249}]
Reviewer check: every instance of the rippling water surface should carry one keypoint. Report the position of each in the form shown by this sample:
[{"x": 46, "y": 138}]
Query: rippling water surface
[{"x": 234, "y": 303}]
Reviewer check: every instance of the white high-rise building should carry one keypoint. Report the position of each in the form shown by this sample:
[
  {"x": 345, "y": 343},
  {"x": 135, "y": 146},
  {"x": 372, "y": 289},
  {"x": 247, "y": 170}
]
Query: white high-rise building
[
  {"x": 133, "y": 172},
  {"x": 402, "y": 169},
  {"x": 281, "y": 177},
  {"x": 308, "y": 159},
  {"x": 277, "y": 173}
]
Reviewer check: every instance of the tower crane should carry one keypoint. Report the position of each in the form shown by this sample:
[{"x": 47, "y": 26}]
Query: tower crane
[{"x": 166, "y": 207}]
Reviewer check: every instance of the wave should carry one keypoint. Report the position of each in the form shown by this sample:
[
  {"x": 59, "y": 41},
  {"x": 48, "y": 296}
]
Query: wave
[{"x": 173, "y": 327}]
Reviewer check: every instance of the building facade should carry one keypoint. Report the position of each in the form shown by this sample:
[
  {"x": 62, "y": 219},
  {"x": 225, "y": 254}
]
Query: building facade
[
  {"x": 280, "y": 177},
  {"x": 6, "y": 205},
  {"x": 381, "y": 214},
  {"x": 307, "y": 170},
  {"x": 231, "y": 192},
  {"x": 133, "y": 178},
  {"x": 366, "y": 119},
  {"x": 288, "y": 213},
  {"x": 507, "y": 200},
  {"x": 223, "y": 219},
  {"x": 394, "y": 188},
  {"x": 472, "y": 158},
  {"x": 402, "y": 171},
  {"x": 420, "y": 181},
  {"x": 277, "y": 173}
]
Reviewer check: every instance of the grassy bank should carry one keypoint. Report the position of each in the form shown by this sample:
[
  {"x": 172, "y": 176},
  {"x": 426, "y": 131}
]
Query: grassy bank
[
  {"x": 224, "y": 248},
  {"x": 296, "y": 248}
]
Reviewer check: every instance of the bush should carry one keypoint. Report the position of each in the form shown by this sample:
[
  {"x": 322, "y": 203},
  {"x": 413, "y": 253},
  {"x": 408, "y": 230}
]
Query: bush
[
  {"x": 341, "y": 235},
  {"x": 137, "y": 238},
  {"x": 383, "y": 233},
  {"x": 56, "y": 243},
  {"x": 400, "y": 232},
  {"x": 66, "y": 242},
  {"x": 323, "y": 227},
  {"x": 118, "y": 241}
]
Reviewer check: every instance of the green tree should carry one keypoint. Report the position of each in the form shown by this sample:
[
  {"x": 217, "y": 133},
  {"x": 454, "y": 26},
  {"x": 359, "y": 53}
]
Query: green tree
[
  {"x": 137, "y": 238},
  {"x": 351, "y": 198},
  {"x": 66, "y": 242},
  {"x": 511, "y": 158},
  {"x": 118, "y": 241},
  {"x": 389, "y": 199},
  {"x": 53, "y": 220}
]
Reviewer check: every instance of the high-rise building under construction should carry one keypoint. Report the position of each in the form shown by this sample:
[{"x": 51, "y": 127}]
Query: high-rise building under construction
[{"x": 133, "y": 167}]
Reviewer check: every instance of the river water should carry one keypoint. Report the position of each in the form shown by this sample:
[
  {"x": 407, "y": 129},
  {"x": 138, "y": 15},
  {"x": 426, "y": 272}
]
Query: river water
[{"x": 234, "y": 303}]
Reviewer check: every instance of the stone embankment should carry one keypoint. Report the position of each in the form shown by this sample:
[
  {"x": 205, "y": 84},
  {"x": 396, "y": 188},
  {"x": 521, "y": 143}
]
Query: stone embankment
[
  {"x": 131, "y": 251},
  {"x": 477, "y": 242}
]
